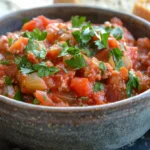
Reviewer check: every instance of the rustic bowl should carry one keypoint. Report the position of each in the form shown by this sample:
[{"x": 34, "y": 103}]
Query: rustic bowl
[{"x": 105, "y": 127}]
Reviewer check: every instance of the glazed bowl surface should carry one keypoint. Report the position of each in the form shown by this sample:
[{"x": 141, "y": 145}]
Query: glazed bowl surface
[{"x": 104, "y": 127}]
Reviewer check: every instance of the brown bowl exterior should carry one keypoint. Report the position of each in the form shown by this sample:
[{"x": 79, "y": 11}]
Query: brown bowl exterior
[{"x": 104, "y": 127}]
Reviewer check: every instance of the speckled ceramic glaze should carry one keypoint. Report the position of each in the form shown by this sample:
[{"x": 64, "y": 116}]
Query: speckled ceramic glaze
[{"x": 105, "y": 127}]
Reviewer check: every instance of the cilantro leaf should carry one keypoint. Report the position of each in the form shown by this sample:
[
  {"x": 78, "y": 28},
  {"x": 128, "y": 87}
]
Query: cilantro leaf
[
  {"x": 103, "y": 67},
  {"x": 26, "y": 70},
  {"x": 37, "y": 49},
  {"x": 99, "y": 44},
  {"x": 10, "y": 41},
  {"x": 132, "y": 83},
  {"x": 68, "y": 50},
  {"x": 76, "y": 62},
  {"x": 8, "y": 80},
  {"x": 43, "y": 70},
  {"x": 4, "y": 62},
  {"x": 17, "y": 96},
  {"x": 98, "y": 87},
  {"x": 117, "y": 33},
  {"x": 104, "y": 38},
  {"x": 117, "y": 54},
  {"x": 36, "y": 34},
  {"x": 77, "y": 21},
  {"x": 85, "y": 35}
]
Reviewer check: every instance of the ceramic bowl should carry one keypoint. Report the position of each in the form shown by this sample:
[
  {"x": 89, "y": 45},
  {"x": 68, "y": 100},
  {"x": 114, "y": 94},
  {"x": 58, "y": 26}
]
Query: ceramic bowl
[{"x": 104, "y": 127}]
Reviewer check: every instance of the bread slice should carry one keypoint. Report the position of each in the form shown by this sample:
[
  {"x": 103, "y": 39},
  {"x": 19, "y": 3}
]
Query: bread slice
[{"x": 142, "y": 9}]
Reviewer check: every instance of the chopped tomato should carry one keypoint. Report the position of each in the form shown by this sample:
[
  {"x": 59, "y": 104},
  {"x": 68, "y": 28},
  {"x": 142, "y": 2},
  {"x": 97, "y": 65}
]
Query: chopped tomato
[
  {"x": 81, "y": 86},
  {"x": 112, "y": 42},
  {"x": 19, "y": 45}
]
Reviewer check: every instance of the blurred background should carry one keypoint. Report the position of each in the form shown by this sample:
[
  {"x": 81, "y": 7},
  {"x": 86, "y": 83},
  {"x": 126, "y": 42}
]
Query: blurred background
[{"x": 7, "y": 6}]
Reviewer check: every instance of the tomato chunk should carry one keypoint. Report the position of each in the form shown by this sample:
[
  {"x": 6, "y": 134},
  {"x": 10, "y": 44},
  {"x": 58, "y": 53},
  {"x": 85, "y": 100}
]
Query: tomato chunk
[
  {"x": 19, "y": 45},
  {"x": 81, "y": 86}
]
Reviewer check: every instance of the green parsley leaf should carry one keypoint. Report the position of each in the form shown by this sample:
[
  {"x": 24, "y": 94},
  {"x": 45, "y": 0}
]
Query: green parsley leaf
[
  {"x": 117, "y": 33},
  {"x": 26, "y": 70},
  {"x": 10, "y": 41},
  {"x": 98, "y": 87},
  {"x": 4, "y": 62},
  {"x": 119, "y": 64},
  {"x": 24, "y": 65},
  {"x": 36, "y": 34},
  {"x": 76, "y": 62},
  {"x": 99, "y": 44},
  {"x": 85, "y": 35},
  {"x": 104, "y": 38},
  {"x": 77, "y": 21},
  {"x": 36, "y": 101},
  {"x": 43, "y": 70},
  {"x": 103, "y": 67},
  {"x": 17, "y": 95},
  {"x": 68, "y": 50},
  {"x": 8, "y": 80},
  {"x": 37, "y": 49},
  {"x": 132, "y": 83},
  {"x": 117, "y": 54}
]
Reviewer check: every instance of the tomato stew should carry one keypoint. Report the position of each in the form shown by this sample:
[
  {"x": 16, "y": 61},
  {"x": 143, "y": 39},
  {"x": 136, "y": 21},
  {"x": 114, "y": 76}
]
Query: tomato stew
[{"x": 75, "y": 63}]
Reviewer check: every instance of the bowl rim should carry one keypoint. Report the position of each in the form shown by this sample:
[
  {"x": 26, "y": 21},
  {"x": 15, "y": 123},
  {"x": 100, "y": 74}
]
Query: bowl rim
[{"x": 120, "y": 103}]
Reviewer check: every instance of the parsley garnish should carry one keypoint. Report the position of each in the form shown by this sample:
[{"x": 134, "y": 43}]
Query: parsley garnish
[
  {"x": 84, "y": 36},
  {"x": 117, "y": 33},
  {"x": 98, "y": 87},
  {"x": 34, "y": 48},
  {"x": 103, "y": 67},
  {"x": 26, "y": 70},
  {"x": 8, "y": 80},
  {"x": 68, "y": 50},
  {"x": 24, "y": 65},
  {"x": 10, "y": 41},
  {"x": 132, "y": 83},
  {"x": 76, "y": 62},
  {"x": 36, "y": 101},
  {"x": 43, "y": 70},
  {"x": 36, "y": 35},
  {"x": 77, "y": 21},
  {"x": 4, "y": 62},
  {"x": 103, "y": 40},
  {"x": 17, "y": 95},
  {"x": 117, "y": 54}
]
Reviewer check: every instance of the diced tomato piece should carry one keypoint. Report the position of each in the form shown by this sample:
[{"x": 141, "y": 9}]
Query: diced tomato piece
[
  {"x": 53, "y": 51},
  {"x": 19, "y": 45},
  {"x": 99, "y": 97},
  {"x": 112, "y": 42},
  {"x": 39, "y": 22},
  {"x": 103, "y": 55},
  {"x": 43, "y": 98},
  {"x": 81, "y": 86}
]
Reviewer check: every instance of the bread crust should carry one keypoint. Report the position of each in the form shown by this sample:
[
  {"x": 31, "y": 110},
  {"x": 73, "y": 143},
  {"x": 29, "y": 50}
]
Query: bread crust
[{"x": 141, "y": 9}]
